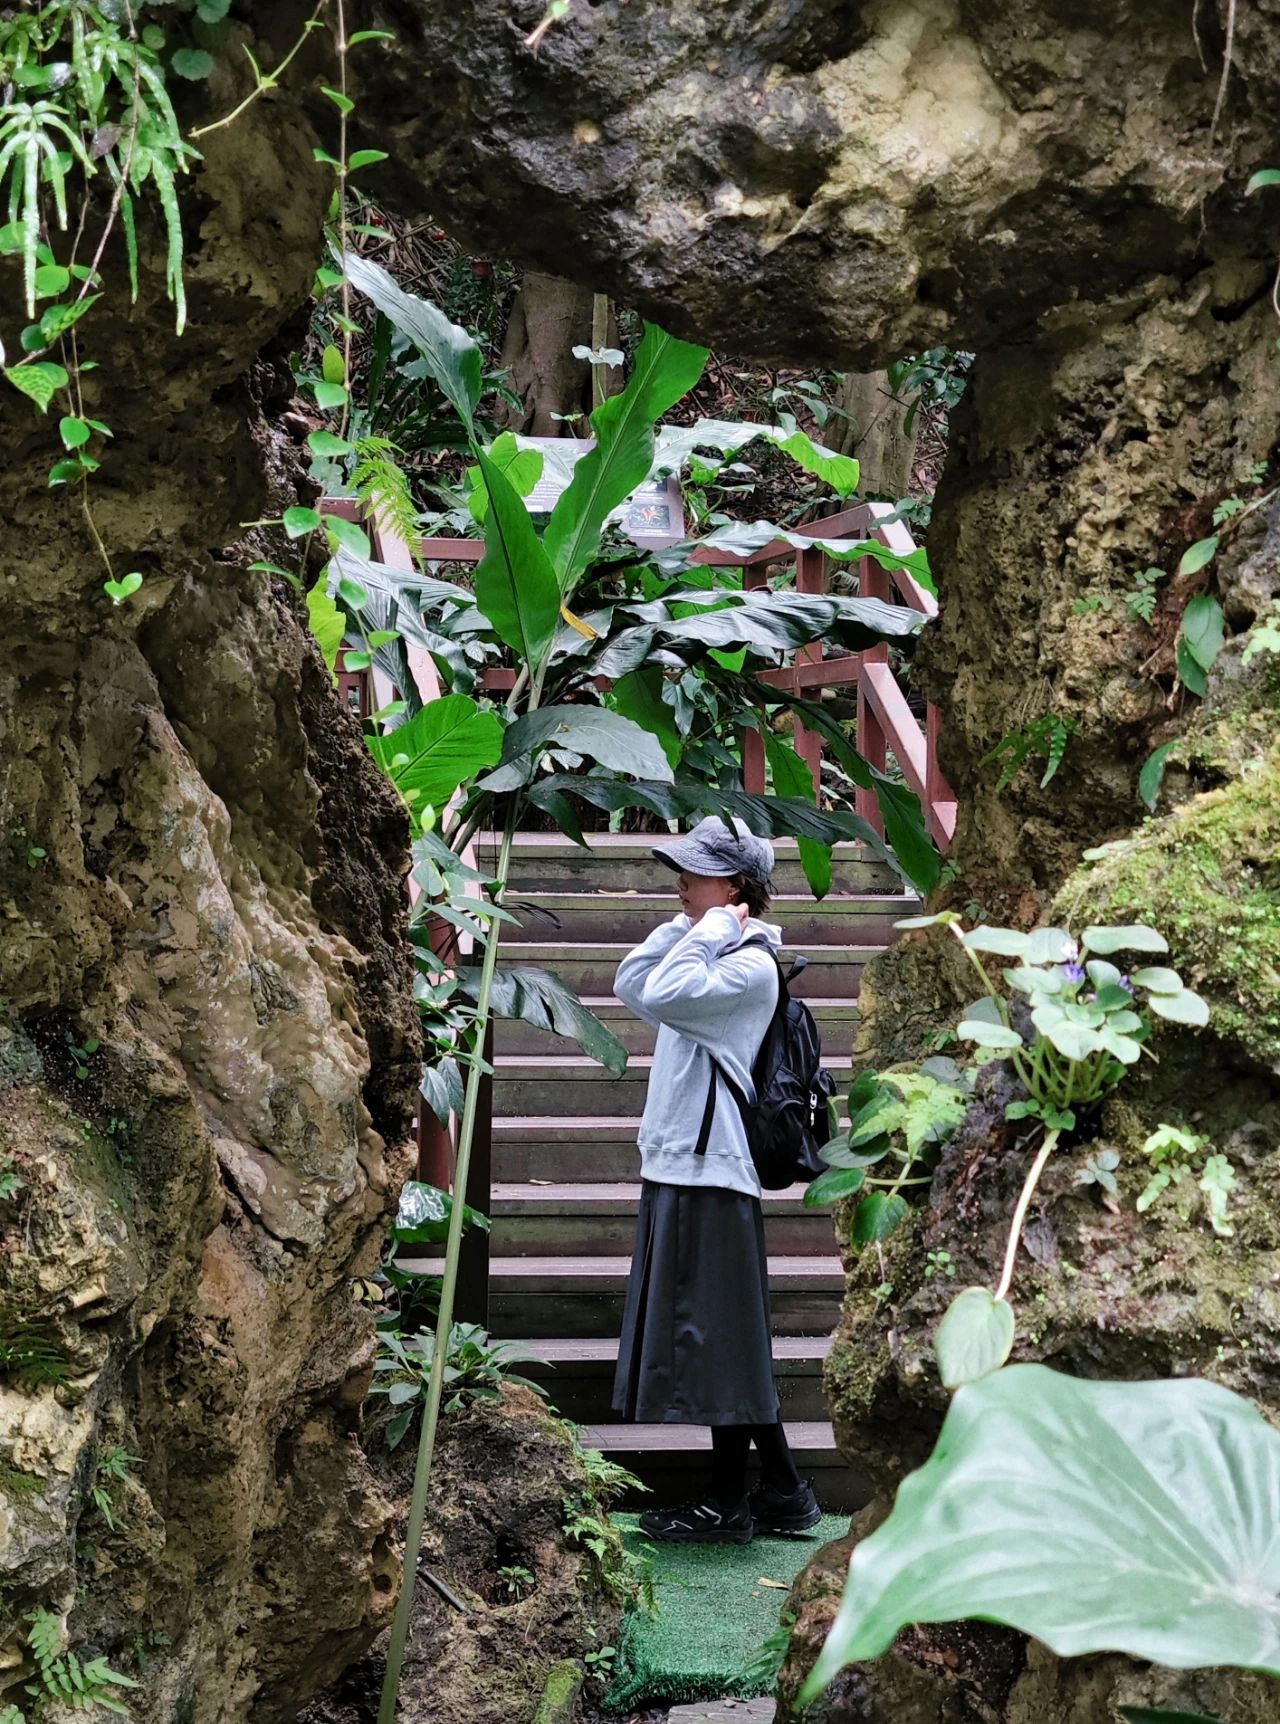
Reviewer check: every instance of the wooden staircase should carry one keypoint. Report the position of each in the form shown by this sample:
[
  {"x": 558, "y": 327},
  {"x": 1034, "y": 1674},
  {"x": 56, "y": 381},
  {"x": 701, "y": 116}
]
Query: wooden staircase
[{"x": 565, "y": 1169}]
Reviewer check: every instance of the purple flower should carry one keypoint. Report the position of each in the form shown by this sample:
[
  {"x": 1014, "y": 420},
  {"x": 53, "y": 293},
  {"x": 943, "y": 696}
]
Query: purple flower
[
  {"x": 1073, "y": 972},
  {"x": 1126, "y": 984}
]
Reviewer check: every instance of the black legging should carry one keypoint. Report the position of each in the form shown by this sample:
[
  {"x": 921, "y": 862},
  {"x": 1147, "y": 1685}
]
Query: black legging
[{"x": 730, "y": 1446}]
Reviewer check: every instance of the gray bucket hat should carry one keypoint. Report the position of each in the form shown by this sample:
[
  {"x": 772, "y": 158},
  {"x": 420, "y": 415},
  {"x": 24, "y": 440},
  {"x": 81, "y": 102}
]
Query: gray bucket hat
[{"x": 712, "y": 849}]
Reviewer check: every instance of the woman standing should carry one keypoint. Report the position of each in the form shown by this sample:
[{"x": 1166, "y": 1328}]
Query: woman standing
[{"x": 695, "y": 1345}]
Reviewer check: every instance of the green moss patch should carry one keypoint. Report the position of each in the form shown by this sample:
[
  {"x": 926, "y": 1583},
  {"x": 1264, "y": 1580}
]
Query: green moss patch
[{"x": 1208, "y": 877}]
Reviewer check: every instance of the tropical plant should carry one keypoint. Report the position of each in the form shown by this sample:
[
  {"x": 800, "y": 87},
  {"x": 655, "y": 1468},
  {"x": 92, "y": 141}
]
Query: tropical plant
[
  {"x": 423, "y": 1215},
  {"x": 1128, "y": 1517},
  {"x": 1081, "y": 1023},
  {"x": 476, "y": 1367},
  {"x": 1096, "y": 1495},
  {"x": 935, "y": 378}
]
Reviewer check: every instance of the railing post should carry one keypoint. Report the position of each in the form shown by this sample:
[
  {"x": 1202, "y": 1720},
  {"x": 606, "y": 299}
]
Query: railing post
[
  {"x": 811, "y": 577},
  {"x": 750, "y": 742},
  {"x": 873, "y": 583}
]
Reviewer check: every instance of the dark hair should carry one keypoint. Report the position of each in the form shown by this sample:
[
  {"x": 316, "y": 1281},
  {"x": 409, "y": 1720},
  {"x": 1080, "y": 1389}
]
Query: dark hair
[{"x": 753, "y": 893}]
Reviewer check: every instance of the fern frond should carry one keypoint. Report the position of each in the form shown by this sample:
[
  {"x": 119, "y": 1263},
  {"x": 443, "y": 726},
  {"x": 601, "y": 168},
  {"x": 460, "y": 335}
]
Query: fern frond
[{"x": 380, "y": 483}]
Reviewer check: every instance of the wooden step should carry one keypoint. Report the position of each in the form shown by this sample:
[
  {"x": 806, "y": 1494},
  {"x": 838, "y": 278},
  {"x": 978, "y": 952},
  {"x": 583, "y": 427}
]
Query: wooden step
[
  {"x": 547, "y": 862},
  {"x": 586, "y": 1219},
  {"x": 572, "y": 1296},
  {"x": 567, "y": 1084},
  {"x": 630, "y": 917},
  {"x": 598, "y": 1149},
  {"x": 560, "y": 1150},
  {"x": 589, "y": 966},
  {"x": 837, "y": 1022},
  {"x": 673, "y": 1460},
  {"x": 578, "y": 1375}
]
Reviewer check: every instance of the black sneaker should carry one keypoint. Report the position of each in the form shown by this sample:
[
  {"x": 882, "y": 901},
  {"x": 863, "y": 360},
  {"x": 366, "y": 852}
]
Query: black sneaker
[
  {"x": 784, "y": 1511},
  {"x": 699, "y": 1523}
]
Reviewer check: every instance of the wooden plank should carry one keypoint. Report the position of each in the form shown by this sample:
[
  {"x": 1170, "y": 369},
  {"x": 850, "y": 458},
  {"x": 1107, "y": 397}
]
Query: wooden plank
[
  {"x": 789, "y": 1351},
  {"x": 805, "y": 1438}
]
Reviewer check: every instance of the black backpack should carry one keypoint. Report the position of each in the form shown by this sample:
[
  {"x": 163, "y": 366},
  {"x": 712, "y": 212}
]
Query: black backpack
[{"x": 788, "y": 1124}]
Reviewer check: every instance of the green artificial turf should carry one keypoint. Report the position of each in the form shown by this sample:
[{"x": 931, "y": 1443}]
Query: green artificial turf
[{"x": 713, "y": 1617}]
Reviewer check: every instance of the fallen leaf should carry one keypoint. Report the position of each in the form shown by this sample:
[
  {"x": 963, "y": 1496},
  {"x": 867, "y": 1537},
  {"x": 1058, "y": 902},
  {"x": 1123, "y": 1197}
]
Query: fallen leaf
[{"x": 778, "y": 1585}]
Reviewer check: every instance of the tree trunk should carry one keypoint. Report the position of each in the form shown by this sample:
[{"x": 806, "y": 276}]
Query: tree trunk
[
  {"x": 549, "y": 318},
  {"x": 876, "y": 432}
]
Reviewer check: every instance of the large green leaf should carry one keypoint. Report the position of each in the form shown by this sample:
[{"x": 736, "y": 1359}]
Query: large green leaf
[
  {"x": 767, "y": 816},
  {"x": 663, "y": 370},
  {"x": 1097, "y": 1517},
  {"x": 523, "y": 468},
  {"x": 422, "y": 1217},
  {"x": 453, "y": 358},
  {"x": 448, "y": 742},
  {"x": 592, "y": 731},
  {"x": 515, "y": 584},
  {"x": 744, "y": 537},
  {"x": 328, "y": 624},
  {"x": 638, "y": 696},
  {"x": 792, "y": 777},
  {"x": 675, "y": 444},
  {"x": 909, "y": 842},
  {"x": 540, "y": 997}
]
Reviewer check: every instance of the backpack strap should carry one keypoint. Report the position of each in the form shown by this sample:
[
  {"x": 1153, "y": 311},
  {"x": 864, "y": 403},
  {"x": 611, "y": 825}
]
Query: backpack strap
[{"x": 718, "y": 1071}]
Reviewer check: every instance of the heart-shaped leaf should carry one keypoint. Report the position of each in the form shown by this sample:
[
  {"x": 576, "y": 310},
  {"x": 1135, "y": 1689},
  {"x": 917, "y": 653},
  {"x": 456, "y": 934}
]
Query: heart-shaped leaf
[
  {"x": 40, "y": 383},
  {"x": 974, "y": 1338},
  {"x": 298, "y": 521},
  {"x": 1135, "y": 937},
  {"x": 877, "y": 1216},
  {"x": 1005, "y": 942},
  {"x": 1097, "y": 1517},
  {"x": 119, "y": 591},
  {"x": 1183, "y": 1008},
  {"x": 1158, "y": 979}
]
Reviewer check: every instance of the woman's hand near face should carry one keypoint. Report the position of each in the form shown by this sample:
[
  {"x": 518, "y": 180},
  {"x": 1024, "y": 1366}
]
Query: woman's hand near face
[{"x": 741, "y": 912}]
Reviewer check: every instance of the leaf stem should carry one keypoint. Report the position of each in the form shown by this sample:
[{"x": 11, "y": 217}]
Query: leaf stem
[
  {"x": 448, "y": 1290},
  {"x": 981, "y": 968},
  {"x": 262, "y": 84},
  {"x": 1020, "y": 1213}
]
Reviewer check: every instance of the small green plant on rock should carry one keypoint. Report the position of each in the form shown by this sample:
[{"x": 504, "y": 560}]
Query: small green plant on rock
[
  {"x": 62, "y": 1677},
  {"x": 1078, "y": 1024},
  {"x": 1173, "y": 1154},
  {"x": 600, "y": 1662},
  {"x": 113, "y": 1469},
  {"x": 476, "y": 1369},
  {"x": 1099, "y": 1169},
  {"x": 901, "y": 1120},
  {"x": 1045, "y": 737},
  {"x": 30, "y": 1352},
  {"x": 518, "y": 1580},
  {"x": 10, "y": 1181}
]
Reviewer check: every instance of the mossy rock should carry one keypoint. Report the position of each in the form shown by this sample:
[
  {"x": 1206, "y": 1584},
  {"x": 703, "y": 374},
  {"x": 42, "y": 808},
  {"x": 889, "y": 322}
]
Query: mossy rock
[{"x": 1208, "y": 877}]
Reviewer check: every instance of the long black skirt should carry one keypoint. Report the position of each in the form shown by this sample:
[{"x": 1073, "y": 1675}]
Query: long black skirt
[{"x": 695, "y": 1347}]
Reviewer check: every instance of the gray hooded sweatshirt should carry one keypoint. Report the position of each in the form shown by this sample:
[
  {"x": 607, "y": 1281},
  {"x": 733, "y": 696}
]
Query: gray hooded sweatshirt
[{"x": 708, "y": 994}]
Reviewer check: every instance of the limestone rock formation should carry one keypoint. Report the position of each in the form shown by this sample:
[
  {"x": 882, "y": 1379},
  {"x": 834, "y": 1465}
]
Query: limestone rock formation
[{"x": 207, "y": 1035}]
